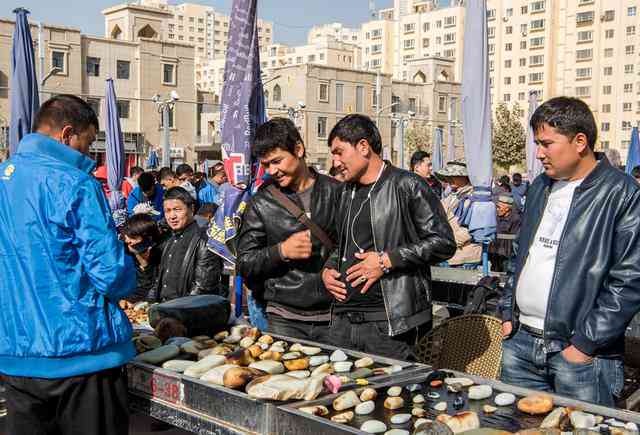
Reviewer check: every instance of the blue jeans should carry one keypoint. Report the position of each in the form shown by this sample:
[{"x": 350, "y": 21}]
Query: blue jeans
[
  {"x": 526, "y": 364},
  {"x": 257, "y": 313}
]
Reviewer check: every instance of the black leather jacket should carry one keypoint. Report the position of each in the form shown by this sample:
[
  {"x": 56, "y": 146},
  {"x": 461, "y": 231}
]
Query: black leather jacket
[
  {"x": 409, "y": 224},
  {"x": 595, "y": 290},
  {"x": 200, "y": 269},
  {"x": 295, "y": 285}
]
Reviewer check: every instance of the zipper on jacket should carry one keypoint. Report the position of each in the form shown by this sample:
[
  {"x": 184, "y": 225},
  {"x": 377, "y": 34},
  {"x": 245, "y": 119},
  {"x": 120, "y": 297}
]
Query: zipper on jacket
[
  {"x": 339, "y": 261},
  {"x": 375, "y": 247}
]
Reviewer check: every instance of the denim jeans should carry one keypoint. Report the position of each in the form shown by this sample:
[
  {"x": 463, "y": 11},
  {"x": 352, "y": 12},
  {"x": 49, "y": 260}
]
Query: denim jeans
[
  {"x": 526, "y": 364},
  {"x": 257, "y": 312}
]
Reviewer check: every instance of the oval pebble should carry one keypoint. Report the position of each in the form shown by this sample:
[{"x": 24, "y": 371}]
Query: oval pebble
[
  {"x": 420, "y": 421},
  {"x": 480, "y": 392},
  {"x": 504, "y": 399},
  {"x": 394, "y": 391},
  {"x": 413, "y": 387},
  {"x": 440, "y": 406},
  {"x": 419, "y": 398},
  {"x": 300, "y": 374},
  {"x": 342, "y": 366},
  {"x": 318, "y": 360},
  {"x": 365, "y": 408},
  {"x": 433, "y": 395},
  {"x": 400, "y": 418},
  {"x": 364, "y": 362},
  {"x": 338, "y": 356},
  {"x": 373, "y": 426},
  {"x": 291, "y": 356},
  {"x": 397, "y": 432}
]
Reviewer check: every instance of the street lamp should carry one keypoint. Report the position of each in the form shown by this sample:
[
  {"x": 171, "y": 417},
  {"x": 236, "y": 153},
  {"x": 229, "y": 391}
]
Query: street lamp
[
  {"x": 401, "y": 122},
  {"x": 164, "y": 108}
]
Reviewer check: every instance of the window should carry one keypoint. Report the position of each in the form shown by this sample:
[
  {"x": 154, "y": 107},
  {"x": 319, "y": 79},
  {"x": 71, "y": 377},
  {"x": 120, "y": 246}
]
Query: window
[
  {"x": 93, "y": 66},
  {"x": 491, "y": 32},
  {"x": 507, "y": 63},
  {"x": 606, "y": 90},
  {"x": 180, "y": 18},
  {"x": 523, "y": 29},
  {"x": 523, "y": 45},
  {"x": 322, "y": 127},
  {"x": 609, "y": 16},
  {"x": 57, "y": 60},
  {"x": 192, "y": 20},
  {"x": 311, "y": 58},
  {"x": 299, "y": 59},
  {"x": 523, "y": 61},
  {"x": 438, "y": 40},
  {"x": 537, "y": 60},
  {"x": 631, "y": 30},
  {"x": 628, "y": 69},
  {"x": 323, "y": 92},
  {"x": 123, "y": 110},
  {"x": 359, "y": 99},
  {"x": 171, "y": 36},
  {"x": 521, "y": 96},
  {"x": 375, "y": 49},
  {"x": 536, "y": 77},
  {"x": 627, "y": 107},
  {"x": 508, "y": 46},
  {"x": 409, "y": 43},
  {"x": 585, "y": 36},
  {"x": 376, "y": 33},
  {"x": 277, "y": 93},
  {"x": 509, "y": 12},
  {"x": 626, "y": 125},
  {"x": 537, "y": 6},
  {"x": 168, "y": 74},
  {"x": 629, "y": 49},
  {"x": 439, "y": 24},
  {"x": 537, "y": 42},
  {"x": 450, "y": 21},
  {"x": 426, "y": 27},
  {"x": 451, "y": 53},
  {"x": 584, "y": 54},
  {"x": 583, "y": 73},
  {"x": 628, "y": 88},
  {"x": 412, "y": 104},
  {"x": 95, "y": 105},
  {"x": 609, "y": 33},
  {"x": 122, "y": 69},
  {"x": 442, "y": 103},
  {"x": 605, "y": 126},
  {"x": 508, "y": 30},
  {"x": 491, "y": 65},
  {"x": 537, "y": 25},
  {"x": 425, "y": 42},
  {"x": 506, "y": 98},
  {"x": 583, "y": 91},
  {"x": 606, "y": 108},
  {"x": 608, "y": 52},
  {"x": 409, "y": 27},
  {"x": 522, "y": 80},
  {"x": 584, "y": 17},
  {"x": 608, "y": 71},
  {"x": 339, "y": 97},
  {"x": 507, "y": 81},
  {"x": 449, "y": 38},
  {"x": 631, "y": 11}
]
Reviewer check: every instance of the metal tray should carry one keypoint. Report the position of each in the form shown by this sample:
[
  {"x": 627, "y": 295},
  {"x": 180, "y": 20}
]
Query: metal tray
[
  {"x": 290, "y": 420},
  {"x": 237, "y": 408}
]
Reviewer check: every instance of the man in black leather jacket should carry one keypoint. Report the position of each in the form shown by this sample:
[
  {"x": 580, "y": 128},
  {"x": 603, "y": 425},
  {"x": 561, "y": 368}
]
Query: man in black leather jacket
[
  {"x": 392, "y": 228},
  {"x": 187, "y": 266},
  {"x": 277, "y": 256},
  {"x": 574, "y": 283}
]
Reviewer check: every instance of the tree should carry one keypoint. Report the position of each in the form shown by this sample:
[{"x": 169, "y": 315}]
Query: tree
[
  {"x": 418, "y": 137},
  {"x": 509, "y": 136}
]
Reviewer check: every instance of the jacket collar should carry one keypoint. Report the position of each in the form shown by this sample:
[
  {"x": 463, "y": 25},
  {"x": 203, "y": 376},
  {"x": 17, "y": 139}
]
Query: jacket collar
[
  {"x": 44, "y": 145},
  {"x": 602, "y": 168}
]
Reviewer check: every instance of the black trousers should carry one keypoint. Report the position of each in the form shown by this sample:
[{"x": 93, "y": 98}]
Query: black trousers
[
  {"x": 312, "y": 331},
  {"x": 94, "y": 404},
  {"x": 373, "y": 337}
]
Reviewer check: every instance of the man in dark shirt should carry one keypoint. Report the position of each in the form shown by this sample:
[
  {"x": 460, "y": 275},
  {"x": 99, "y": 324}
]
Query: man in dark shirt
[
  {"x": 421, "y": 165},
  {"x": 187, "y": 266},
  {"x": 508, "y": 225}
]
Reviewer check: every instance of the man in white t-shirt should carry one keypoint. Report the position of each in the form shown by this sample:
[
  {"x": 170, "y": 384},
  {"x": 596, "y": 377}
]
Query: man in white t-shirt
[{"x": 575, "y": 279}]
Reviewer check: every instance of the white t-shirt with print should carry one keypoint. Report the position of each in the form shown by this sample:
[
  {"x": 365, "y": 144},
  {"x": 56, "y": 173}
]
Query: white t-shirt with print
[{"x": 534, "y": 285}]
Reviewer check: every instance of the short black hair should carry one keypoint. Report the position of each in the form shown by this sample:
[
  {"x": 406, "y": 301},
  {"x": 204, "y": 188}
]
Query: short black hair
[
  {"x": 184, "y": 169},
  {"x": 166, "y": 173},
  {"x": 142, "y": 225},
  {"x": 207, "y": 208},
  {"x": 218, "y": 168},
  {"x": 146, "y": 181},
  {"x": 135, "y": 170},
  {"x": 569, "y": 116},
  {"x": 276, "y": 133},
  {"x": 354, "y": 128},
  {"x": 505, "y": 182},
  {"x": 65, "y": 109},
  {"x": 635, "y": 172},
  {"x": 517, "y": 177},
  {"x": 201, "y": 175},
  {"x": 180, "y": 194},
  {"x": 417, "y": 157}
]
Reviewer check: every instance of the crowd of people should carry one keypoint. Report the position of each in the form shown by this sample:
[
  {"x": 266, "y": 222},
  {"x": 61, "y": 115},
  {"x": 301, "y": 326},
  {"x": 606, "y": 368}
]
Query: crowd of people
[{"x": 342, "y": 258}]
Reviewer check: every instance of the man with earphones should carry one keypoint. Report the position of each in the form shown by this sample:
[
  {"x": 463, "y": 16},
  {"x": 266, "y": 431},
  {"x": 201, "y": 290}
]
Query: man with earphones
[{"x": 391, "y": 229}]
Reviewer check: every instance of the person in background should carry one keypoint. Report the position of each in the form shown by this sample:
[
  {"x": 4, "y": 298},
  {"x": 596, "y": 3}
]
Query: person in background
[
  {"x": 508, "y": 224},
  {"x": 63, "y": 338},
  {"x": 209, "y": 192},
  {"x": 391, "y": 228},
  {"x": 134, "y": 174},
  {"x": 502, "y": 187},
  {"x": 167, "y": 178},
  {"x": 635, "y": 173},
  {"x": 187, "y": 266},
  {"x": 573, "y": 284},
  {"x": 468, "y": 254},
  {"x": 205, "y": 214},
  {"x": 519, "y": 191},
  {"x": 184, "y": 173},
  {"x": 146, "y": 198},
  {"x": 421, "y": 165},
  {"x": 142, "y": 237}
]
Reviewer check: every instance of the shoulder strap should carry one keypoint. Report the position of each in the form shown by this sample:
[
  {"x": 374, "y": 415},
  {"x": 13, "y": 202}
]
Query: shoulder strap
[{"x": 299, "y": 214}]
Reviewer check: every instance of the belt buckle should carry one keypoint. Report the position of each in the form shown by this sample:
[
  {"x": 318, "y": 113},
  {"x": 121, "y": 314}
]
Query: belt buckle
[{"x": 356, "y": 317}]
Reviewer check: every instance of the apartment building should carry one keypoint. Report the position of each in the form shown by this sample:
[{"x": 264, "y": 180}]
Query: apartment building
[
  {"x": 141, "y": 68},
  {"x": 336, "y": 31}
]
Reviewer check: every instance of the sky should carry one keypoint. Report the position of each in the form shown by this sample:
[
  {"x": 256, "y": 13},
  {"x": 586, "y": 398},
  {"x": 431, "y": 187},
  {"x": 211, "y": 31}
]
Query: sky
[{"x": 292, "y": 18}]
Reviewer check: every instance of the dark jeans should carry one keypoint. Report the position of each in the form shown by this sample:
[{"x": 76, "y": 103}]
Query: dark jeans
[
  {"x": 525, "y": 364},
  {"x": 373, "y": 337},
  {"x": 312, "y": 331},
  {"x": 95, "y": 404}
]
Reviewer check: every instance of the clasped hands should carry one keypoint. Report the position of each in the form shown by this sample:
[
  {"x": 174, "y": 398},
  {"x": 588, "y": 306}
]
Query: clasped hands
[{"x": 365, "y": 273}]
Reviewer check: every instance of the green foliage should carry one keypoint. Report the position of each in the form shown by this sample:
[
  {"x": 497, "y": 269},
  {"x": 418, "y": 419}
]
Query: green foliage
[{"x": 509, "y": 136}]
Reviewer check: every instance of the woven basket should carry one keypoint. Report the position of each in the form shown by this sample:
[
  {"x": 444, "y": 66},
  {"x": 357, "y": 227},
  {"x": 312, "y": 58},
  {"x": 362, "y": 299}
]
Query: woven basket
[{"x": 470, "y": 344}]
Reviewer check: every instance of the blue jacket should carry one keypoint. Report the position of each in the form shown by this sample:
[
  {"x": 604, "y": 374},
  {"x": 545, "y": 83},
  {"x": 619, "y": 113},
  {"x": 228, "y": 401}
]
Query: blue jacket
[
  {"x": 62, "y": 268},
  {"x": 136, "y": 197},
  {"x": 208, "y": 194}
]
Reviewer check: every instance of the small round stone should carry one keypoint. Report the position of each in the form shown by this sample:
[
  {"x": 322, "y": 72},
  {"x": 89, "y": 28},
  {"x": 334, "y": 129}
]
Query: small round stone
[
  {"x": 504, "y": 399},
  {"x": 394, "y": 391},
  {"x": 365, "y": 408},
  {"x": 373, "y": 426},
  {"x": 400, "y": 418}
]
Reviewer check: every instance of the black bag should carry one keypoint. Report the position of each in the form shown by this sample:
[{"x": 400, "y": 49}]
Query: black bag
[
  {"x": 485, "y": 297},
  {"x": 201, "y": 314}
]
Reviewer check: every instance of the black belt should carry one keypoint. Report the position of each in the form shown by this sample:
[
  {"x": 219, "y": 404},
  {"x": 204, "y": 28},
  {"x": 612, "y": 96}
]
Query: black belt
[
  {"x": 363, "y": 316},
  {"x": 539, "y": 333}
]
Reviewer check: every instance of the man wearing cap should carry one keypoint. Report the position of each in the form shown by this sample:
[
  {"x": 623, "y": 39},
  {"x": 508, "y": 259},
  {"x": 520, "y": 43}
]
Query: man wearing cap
[
  {"x": 508, "y": 225},
  {"x": 468, "y": 254}
]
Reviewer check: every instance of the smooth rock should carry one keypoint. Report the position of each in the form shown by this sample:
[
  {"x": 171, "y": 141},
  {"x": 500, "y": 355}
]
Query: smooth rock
[
  {"x": 373, "y": 426},
  {"x": 269, "y": 366},
  {"x": 324, "y": 369},
  {"x": 332, "y": 383},
  {"x": 300, "y": 374},
  {"x": 418, "y": 398},
  {"x": 318, "y": 360},
  {"x": 221, "y": 335},
  {"x": 400, "y": 418},
  {"x": 315, "y": 410},
  {"x": 394, "y": 402},
  {"x": 631, "y": 426},
  {"x": 232, "y": 339},
  {"x": 265, "y": 339},
  {"x": 420, "y": 421},
  {"x": 364, "y": 362},
  {"x": 159, "y": 355},
  {"x": 368, "y": 394},
  {"x": 338, "y": 356},
  {"x": 394, "y": 391},
  {"x": 553, "y": 419},
  {"x": 413, "y": 387},
  {"x": 488, "y": 409},
  {"x": 440, "y": 406},
  {"x": 239, "y": 330},
  {"x": 582, "y": 420},
  {"x": 177, "y": 365},
  {"x": 247, "y": 342},
  {"x": 480, "y": 392},
  {"x": 192, "y": 347},
  {"x": 465, "y": 382},
  {"x": 216, "y": 374},
  {"x": 342, "y": 366},
  {"x": 204, "y": 365},
  {"x": 291, "y": 355},
  {"x": 365, "y": 408},
  {"x": 397, "y": 432},
  {"x": 343, "y": 418},
  {"x": 178, "y": 341},
  {"x": 613, "y": 422},
  {"x": 297, "y": 364},
  {"x": 310, "y": 351},
  {"x": 504, "y": 399},
  {"x": 277, "y": 348},
  {"x": 362, "y": 373},
  {"x": 346, "y": 401},
  {"x": 418, "y": 412}
]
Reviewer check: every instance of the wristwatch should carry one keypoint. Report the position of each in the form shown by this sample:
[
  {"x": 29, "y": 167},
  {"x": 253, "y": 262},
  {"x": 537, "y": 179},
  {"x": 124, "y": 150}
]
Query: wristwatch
[{"x": 385, "y": 269}]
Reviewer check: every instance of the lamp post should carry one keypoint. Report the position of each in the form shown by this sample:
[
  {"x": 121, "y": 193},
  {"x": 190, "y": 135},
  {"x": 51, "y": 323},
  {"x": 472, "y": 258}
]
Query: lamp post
[
  {"x": 164, "y": 108},
  {"x": 401, "y": 122}
]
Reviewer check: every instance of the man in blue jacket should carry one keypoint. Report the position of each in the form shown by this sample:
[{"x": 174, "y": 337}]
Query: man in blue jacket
[
  {"x": 63, "y": 338},
  {"x": 147, "y": 197}
]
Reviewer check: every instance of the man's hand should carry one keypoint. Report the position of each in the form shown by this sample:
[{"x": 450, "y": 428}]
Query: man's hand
[
  {"x": 367, "y": 272},
  {"x": 297, "y": 246},
  {"x": 330, "y": 278},
  {"x": 507, "y": 327},
  {"x": 574, "y": 356}
]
